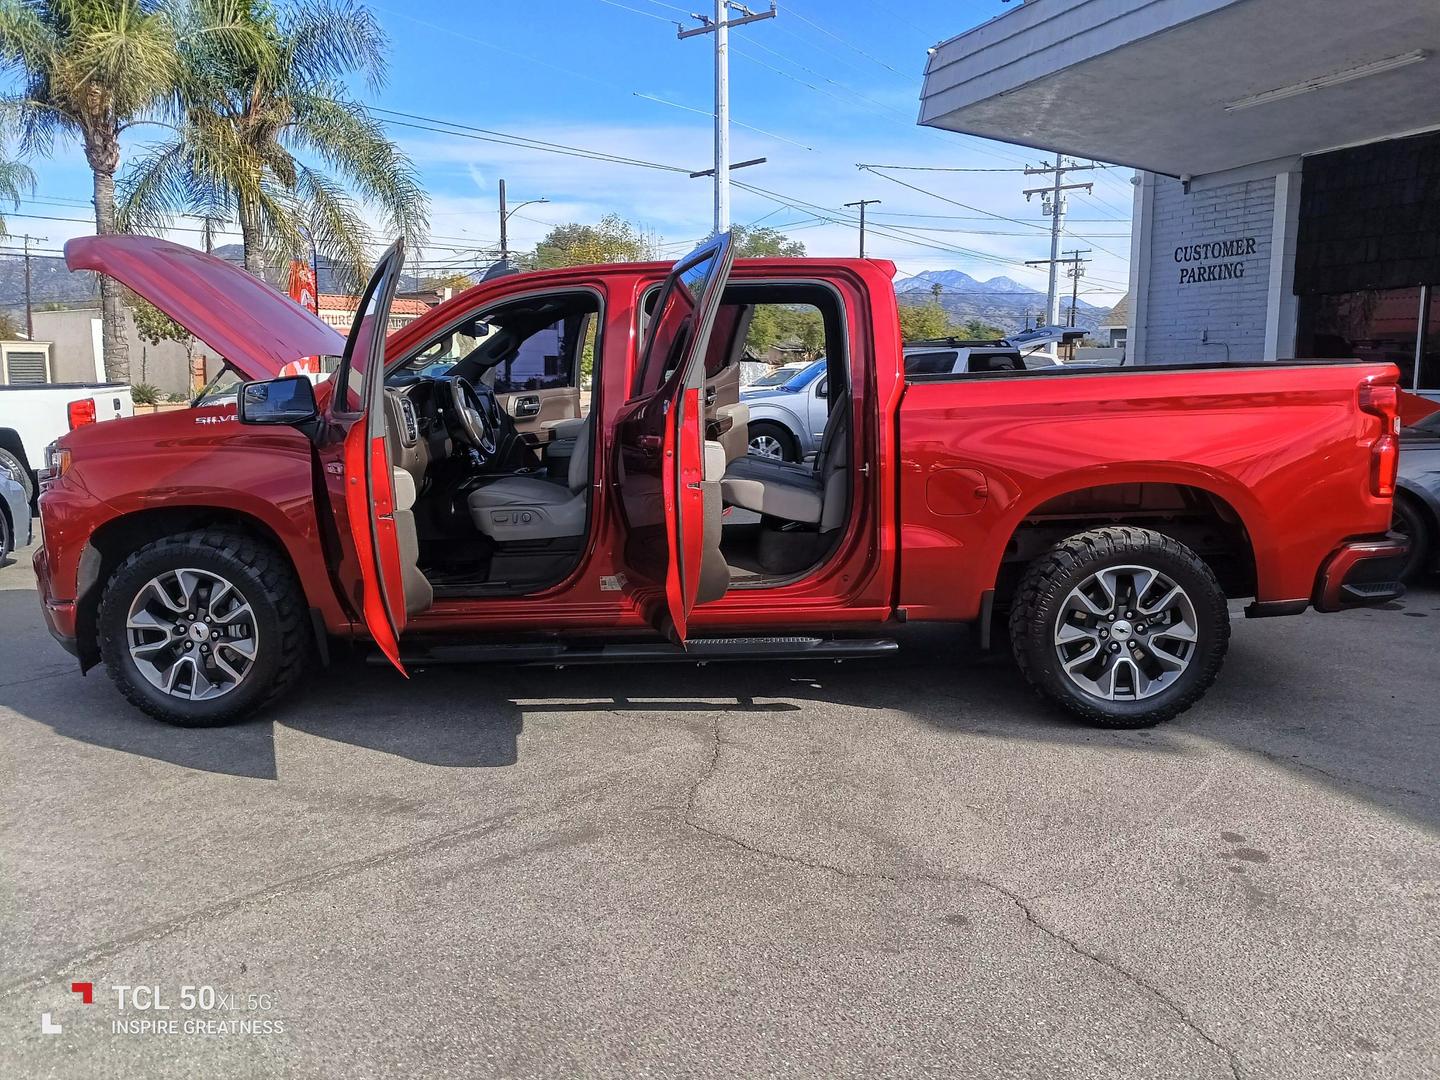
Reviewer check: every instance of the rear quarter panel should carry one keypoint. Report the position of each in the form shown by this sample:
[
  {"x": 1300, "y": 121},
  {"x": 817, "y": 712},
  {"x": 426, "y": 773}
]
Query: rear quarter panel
[{"x": 1286, "y": 447}]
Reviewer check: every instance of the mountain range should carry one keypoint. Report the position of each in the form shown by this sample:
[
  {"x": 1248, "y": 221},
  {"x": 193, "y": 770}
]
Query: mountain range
[{"x": 999, "y": 301}]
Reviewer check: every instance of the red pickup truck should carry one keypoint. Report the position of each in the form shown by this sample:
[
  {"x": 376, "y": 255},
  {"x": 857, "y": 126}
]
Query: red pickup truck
[{"x": 211, "y": 557}]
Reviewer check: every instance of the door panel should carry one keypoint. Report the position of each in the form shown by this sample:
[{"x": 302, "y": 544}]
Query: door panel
[
  {"x": 536, "y": 412},
  {"x": 356, "y": 416},
  {"x": 660, "y": 443}
]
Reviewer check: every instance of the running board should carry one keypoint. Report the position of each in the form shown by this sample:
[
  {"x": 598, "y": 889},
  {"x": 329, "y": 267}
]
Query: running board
[{"x": 697, "y": 651}]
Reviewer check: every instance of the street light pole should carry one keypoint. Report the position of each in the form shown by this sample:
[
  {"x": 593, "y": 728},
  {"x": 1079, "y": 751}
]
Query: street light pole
[{"x": 505, "y": 221}]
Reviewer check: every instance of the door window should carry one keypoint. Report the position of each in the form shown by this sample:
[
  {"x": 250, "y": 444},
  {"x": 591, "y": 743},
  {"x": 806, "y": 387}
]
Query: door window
[
  {"x": 358, "y": 347},
  {"x": 671, "y": 331}
]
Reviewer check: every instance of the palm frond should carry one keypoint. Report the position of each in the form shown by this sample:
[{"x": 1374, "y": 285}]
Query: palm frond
[{"x": 331, "y": 39}]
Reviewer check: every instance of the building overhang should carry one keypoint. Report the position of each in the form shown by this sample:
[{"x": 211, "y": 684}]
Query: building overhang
[{"x": 1189, "y": 87}]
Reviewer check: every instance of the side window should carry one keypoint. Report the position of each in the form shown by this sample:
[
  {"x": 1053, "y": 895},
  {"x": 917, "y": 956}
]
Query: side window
[
  {"x": 930, "y": 363},
  {"x": 544, "y": 360},
  {"x": 677, "y": 315}
]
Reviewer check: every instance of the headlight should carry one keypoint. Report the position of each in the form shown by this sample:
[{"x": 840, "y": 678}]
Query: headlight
[{"x": 57, "y": 464}]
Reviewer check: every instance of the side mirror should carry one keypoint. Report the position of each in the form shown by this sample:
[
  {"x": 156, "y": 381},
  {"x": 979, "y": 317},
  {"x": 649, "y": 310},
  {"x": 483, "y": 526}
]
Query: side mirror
[
  {"x": 290, "y": 400},
  {"x": 822, "y": 388}
]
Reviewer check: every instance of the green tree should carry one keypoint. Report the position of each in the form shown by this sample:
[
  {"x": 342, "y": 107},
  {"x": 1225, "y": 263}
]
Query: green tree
[
  {"x": 612, "y": 239},
  {"x": 10, "y": 327},
  {"x": 765, "y": 243},
  {"x": 267, "y": 126},
  {"x": 89, "y": 68},
  {"x": 921, "y": 321},
  {"x": 457, "y": 282}
]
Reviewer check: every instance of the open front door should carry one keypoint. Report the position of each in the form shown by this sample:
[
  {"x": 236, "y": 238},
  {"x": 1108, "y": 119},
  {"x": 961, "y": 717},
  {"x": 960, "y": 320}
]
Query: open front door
[
  {"x": 660, "y": 443},
  {"x": 356, "y": 413}
]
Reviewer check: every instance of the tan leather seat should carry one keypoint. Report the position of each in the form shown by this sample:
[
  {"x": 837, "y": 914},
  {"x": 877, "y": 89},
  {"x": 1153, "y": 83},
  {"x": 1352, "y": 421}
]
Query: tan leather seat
[{"x": 513, "y": 508}]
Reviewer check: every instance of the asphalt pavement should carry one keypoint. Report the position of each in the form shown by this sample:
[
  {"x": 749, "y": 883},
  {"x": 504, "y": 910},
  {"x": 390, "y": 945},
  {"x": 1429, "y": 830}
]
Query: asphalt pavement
[{"x": 904, "y": 867}]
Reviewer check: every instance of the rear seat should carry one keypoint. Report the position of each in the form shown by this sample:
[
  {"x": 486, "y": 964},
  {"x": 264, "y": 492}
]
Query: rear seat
[{"x": 798, "y": 492}]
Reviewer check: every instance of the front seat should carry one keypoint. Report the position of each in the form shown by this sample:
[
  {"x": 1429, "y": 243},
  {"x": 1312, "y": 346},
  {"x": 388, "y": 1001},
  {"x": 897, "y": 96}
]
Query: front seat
[
  {"x": 516, "y": 508},
  {"x": 798, "y": 492}
]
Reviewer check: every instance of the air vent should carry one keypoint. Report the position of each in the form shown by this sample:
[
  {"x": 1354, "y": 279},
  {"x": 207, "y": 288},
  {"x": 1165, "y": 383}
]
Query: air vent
[
  {"x": 26, "y": 367},
  {"x": 412, "y": 426}
]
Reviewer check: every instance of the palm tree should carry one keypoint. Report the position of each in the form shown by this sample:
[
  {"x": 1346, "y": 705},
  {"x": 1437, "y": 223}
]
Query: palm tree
[
  {"x": 16, "y": 180},
  {"x": 90, "y": 68},
  {"x": 263, "y": 135}
]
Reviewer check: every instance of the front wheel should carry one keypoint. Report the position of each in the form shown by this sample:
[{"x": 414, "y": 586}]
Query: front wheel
[
  {"x": 11, "y": 466},
  {"x": 771, "y": 440},
  {"x": 1121, "y": 626},
  {"x": 203, "y": 628}
]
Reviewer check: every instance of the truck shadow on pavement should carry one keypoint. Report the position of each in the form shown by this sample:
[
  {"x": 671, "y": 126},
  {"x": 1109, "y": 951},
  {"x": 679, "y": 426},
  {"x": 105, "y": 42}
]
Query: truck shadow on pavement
[{"x": 1278, "y": 699}]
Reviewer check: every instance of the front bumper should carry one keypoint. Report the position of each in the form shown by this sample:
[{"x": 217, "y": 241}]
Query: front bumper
[
  {"x": 1362, "y": 573},
  {"x": 59, "y": 615}
]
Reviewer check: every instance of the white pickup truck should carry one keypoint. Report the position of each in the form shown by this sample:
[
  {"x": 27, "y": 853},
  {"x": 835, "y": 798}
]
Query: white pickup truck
[{"x": 34, "y": 416}]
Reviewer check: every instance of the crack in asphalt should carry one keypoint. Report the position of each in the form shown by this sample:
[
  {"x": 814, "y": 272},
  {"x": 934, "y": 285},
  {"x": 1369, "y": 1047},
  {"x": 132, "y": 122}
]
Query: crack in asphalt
[
  {"x": 156, "y": 931},
  {"x": 708, "y": 771}
]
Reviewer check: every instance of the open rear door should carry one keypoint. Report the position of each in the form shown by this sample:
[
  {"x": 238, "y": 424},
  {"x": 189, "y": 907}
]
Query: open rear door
[
  {"x": 356, "y": 413},
  {"x": 660, "y": 442}
]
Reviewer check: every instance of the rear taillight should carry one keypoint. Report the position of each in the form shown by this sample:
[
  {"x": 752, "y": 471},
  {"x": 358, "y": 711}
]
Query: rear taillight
[
  {"x": 81, "y": 412},
  {"x": 1383, "y": 401}
]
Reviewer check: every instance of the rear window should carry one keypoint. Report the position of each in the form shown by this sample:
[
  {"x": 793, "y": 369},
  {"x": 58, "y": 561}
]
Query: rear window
[{"x": 930, "y": 363}]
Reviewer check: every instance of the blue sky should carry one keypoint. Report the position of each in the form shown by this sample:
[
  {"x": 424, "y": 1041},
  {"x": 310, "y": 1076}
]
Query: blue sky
[{"x": 821, "y": 88}]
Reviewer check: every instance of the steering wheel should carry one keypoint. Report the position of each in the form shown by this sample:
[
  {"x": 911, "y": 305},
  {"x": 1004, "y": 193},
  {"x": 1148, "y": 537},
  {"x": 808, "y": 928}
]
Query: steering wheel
[{"x": 476, "y": 422}]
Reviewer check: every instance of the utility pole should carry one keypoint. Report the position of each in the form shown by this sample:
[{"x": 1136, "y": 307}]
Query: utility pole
[
  {"x": 1076, "y": 271},
  {"x": 504, "y": 225},
  {"x": 505, "y": 213},
  {"x": 1053, "y": 198},
  {"x": 862, "y": 203},
  {"x": 29, "y": 311},
  {"x": 720, "y": 27}
]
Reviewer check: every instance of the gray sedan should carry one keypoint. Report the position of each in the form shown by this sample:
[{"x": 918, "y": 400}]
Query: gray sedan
[
  {"x": 14, "y": 516},
  {"x": 1417, "y": 503}
]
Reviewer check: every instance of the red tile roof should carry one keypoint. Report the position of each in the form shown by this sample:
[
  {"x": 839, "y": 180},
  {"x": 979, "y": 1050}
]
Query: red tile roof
[{"x": 399, "y": 306}]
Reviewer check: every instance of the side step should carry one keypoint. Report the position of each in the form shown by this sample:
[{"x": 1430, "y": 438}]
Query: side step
[{"x": 698, "y": 651}]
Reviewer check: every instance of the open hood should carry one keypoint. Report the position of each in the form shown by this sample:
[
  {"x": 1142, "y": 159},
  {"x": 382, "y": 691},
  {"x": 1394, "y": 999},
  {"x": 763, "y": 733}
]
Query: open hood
[{"x": 254, "y": 326}]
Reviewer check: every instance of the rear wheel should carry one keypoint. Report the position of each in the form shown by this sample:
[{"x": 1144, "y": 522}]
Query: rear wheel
[
  {"x": 203, "y": 628},
  {"x": 1122, "y": 626},
  {"x": 12, "y": 467},
  {"x": 771, "y": 440},
  {"x": 1410, "y": 521}
]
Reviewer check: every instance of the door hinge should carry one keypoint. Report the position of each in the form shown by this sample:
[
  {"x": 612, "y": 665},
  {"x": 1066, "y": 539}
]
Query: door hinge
[{"x": 865, "y": 469}]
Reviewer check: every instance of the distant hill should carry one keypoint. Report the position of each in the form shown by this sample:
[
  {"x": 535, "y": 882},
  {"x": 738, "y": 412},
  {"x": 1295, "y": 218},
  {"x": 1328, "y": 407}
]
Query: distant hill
[{"x": 998, "y": 301}]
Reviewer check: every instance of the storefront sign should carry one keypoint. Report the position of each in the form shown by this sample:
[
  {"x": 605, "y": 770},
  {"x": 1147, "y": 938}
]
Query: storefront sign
[{"x": 1221, "y": 260}]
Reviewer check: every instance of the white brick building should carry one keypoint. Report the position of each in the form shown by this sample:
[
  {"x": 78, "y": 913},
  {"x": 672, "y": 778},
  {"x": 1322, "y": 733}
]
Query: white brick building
[{"x": 1287, "y": 199}]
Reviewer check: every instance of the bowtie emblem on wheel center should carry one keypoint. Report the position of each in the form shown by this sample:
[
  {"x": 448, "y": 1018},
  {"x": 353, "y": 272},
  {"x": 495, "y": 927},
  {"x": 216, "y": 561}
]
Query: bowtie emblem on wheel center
[
  {"x": 1121, "y": 630},
  {"x": 199, "y": 631}
]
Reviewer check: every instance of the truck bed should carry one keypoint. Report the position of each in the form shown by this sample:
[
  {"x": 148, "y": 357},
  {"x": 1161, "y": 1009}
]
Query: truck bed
[{"x": 1282, "y": 449}]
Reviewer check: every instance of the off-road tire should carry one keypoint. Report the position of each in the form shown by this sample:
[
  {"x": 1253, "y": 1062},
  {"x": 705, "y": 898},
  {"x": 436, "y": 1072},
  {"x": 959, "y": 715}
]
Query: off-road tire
[
  {"x": 1048, "y": 581},
  {"x": 789, "y": 447},
  {"x": 1413, "y": 522},
  {"x": 264, "y": 577},
  {"x": 12, "y": 465}
]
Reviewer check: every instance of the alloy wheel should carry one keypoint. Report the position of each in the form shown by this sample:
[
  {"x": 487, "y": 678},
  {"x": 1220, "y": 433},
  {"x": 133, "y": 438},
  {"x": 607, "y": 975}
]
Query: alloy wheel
[
  {"x": 766, "y": 446},
  {"x": 192, "y": 634},
  {"x": 1126, "y": 633}
]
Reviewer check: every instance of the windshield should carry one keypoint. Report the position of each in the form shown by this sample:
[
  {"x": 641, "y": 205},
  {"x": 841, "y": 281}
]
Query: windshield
[{"x": 805, "y": 376}]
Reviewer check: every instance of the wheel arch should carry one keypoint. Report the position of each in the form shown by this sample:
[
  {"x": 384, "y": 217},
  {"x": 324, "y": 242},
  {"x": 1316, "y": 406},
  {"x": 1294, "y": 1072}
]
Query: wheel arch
[
  {"x": 10, "y": 440},
  {"x": 1427, "y": 504},
  {"x": 1210, "y": 518},
  {"x": 112, "y": 542}
]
